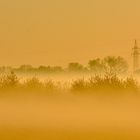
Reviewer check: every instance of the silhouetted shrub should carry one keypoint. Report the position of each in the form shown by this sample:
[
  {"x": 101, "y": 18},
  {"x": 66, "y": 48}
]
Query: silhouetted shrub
[
  {"x": 33, "y": 83},
  {"x": 80, "y": 85},
  {"x": 131, "y": 84},
  {"x": 108, "y": 82},
  {"x": 50, "y": 85},
  {"x": 9, "y": 81}
]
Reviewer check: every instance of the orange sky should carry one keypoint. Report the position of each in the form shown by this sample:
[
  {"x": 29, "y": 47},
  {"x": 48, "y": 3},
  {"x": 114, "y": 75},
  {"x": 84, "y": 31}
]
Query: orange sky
[{"x": 56, "y": 32}]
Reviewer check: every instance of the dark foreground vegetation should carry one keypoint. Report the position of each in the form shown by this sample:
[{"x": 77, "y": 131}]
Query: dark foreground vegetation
[{"x": 105, "y": 84}]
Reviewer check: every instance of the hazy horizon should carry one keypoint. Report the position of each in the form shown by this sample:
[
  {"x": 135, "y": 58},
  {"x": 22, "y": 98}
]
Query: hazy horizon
[{"x": 58, "y": 32}]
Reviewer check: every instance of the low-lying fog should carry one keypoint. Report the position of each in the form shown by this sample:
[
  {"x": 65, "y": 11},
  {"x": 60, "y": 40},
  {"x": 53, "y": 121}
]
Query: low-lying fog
[
  {"x": 69, "y": 117},
  {"x": 64, "y": 78}
]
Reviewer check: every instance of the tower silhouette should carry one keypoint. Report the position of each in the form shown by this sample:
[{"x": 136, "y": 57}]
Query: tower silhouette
[{"x": 135, "y": 54}]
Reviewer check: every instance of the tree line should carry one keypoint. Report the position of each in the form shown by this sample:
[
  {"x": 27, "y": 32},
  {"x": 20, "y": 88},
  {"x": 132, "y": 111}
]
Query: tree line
[{"x": 110, "y": 63}]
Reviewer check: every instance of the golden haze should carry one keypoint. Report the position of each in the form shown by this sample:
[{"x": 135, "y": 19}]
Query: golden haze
[{"x": 53, "y": 32}]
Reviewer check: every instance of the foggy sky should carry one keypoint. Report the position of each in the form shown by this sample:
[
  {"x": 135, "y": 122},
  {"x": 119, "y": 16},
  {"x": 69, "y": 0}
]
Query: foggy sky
[{"x": 56, "y": 32}]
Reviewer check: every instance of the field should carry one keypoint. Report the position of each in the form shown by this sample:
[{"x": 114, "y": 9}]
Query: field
[
  {"x": 71, "y": 112},
  {"x": 69, "y": 117}
]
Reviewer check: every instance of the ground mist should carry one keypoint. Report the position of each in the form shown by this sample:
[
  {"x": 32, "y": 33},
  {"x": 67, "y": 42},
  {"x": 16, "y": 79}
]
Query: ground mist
[{"x": 100, "y": 107}]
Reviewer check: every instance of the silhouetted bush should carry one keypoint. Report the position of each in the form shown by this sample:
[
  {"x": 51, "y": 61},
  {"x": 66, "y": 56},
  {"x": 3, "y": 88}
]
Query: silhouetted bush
[
  {"x": 80, "y": 85},
  {"x": 9, "y": 81},
  {"x": 50, "y": 85},
  {"x": 33, "y": 83},
  {"x": 131, "y": 84},
  {"x": 107, "y": 83}
]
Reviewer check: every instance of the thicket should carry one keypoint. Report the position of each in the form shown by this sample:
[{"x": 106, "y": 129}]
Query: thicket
[{"x": 107, "y": 83}]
